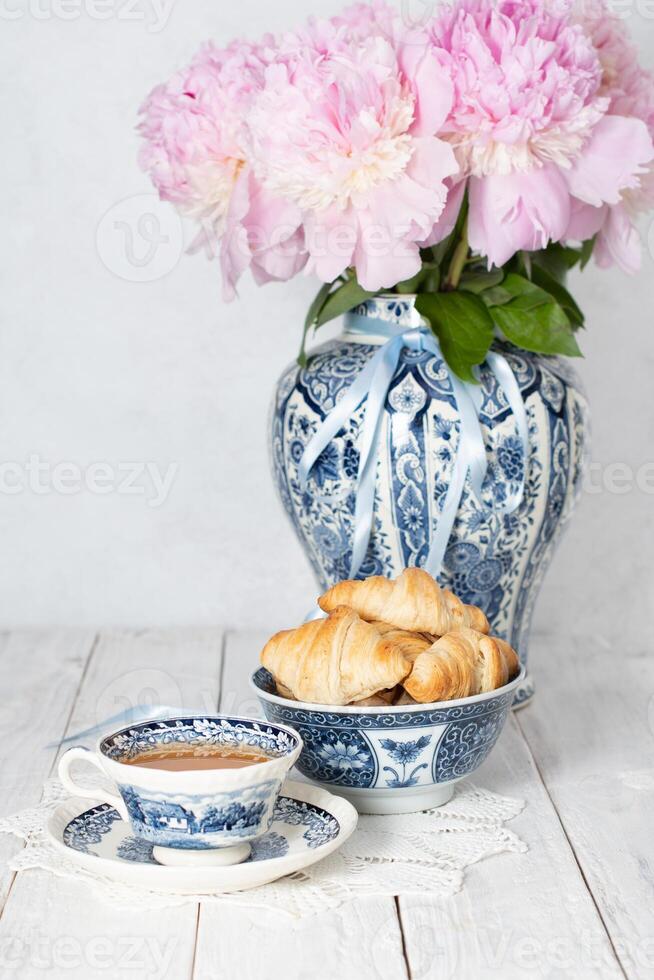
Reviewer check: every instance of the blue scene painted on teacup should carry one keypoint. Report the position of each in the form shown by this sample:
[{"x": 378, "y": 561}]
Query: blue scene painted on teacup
[
  {"x": 200, "y": 821},
  {"x": 90, "y": 833}
]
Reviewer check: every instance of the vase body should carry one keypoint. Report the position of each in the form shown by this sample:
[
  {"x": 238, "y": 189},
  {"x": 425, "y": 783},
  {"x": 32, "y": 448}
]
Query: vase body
[{"x": 494, "y": 560}]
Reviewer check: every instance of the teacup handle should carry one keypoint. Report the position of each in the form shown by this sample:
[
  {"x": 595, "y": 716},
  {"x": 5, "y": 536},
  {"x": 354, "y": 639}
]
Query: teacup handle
[{"x": 79, "y": 753}]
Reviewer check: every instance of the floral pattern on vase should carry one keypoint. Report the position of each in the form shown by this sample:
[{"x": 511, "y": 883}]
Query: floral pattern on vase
[{"x": 494, "y": 560}]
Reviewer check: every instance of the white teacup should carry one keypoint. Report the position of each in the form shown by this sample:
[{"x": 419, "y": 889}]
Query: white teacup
[{"x": 186, "y": 812}]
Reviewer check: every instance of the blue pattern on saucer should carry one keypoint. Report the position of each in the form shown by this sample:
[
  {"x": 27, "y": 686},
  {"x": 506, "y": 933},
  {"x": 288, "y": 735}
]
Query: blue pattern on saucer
[{"x": 101, "y": 829}]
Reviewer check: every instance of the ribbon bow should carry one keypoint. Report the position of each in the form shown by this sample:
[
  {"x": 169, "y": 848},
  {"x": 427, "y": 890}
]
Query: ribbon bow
[{"x": 470, "y": 460}]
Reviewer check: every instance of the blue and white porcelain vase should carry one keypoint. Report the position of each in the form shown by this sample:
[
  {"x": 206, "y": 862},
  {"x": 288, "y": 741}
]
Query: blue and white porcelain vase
[{"x": 495, "y": 560}]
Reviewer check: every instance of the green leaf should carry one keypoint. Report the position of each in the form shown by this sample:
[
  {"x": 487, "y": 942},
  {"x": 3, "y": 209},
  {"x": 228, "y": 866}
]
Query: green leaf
[
  {"x": 413, "y": 285},
  {"x": 478, "y": 282},
  {"x": 496, "y": 296},
  {"x": 343, "y": 299},
  {"x": 587, "y": 251},
  {"x": 528, "y": 295},
  {"x": 557, "y": 260},
  {"x": 462, "y": 324},
  {"x": 534, "y": 320},
  {"x": 540, "y": 330},
  {"x": 442, "y": 250},
  {"x": 524, "y": 259},
  {"x": 560, "y": 294},
  {"x": 312, "y": 316}
]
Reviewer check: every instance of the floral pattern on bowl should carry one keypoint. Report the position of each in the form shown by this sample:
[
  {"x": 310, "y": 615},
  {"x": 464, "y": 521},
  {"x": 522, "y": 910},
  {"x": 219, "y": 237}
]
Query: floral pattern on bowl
[{"x": 395, "y": 759}]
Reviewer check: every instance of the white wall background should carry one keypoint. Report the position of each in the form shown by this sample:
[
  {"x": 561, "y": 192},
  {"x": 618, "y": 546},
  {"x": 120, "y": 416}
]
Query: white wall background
[{"x": 96, "y": 368}]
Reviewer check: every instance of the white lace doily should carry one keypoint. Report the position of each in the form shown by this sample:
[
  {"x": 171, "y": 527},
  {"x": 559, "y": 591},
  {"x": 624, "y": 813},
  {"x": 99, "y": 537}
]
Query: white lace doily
[{"x": 392, "y": 855}]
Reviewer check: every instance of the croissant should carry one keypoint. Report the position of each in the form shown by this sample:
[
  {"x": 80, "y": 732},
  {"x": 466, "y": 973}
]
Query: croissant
[
  {"x": 380, "y": 700},
  {"x": 404, "y": 698},
  {"x": 460, "y": 664},
  {"x": 284, "y": 691},
  {"x": 415, "y": 601},
  {"x": 511, "y": 660},
  {"x": 335, "y": 660},
  {"x": 412, "y": 644}
]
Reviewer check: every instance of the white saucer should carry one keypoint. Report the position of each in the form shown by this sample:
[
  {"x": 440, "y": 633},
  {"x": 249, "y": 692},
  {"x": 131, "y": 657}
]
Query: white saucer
[{"x": 309, "y": 824}]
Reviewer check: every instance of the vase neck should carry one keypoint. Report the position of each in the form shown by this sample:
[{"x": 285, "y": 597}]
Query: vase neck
[{"x": 382, "y": 317}]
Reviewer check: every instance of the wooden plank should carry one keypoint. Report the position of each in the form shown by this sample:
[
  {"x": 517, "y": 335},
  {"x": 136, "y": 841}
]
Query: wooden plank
[
  {"x": 518, "y": 914},
  {"x": 591, "y": 729},
  {"x": 362, "y": 940},
  {"x": 61, "y": 926},
  {"x": 40, "y": 673}
]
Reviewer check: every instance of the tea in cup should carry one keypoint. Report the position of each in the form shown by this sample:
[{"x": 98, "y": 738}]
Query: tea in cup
[{"x": 188, "y": 785}]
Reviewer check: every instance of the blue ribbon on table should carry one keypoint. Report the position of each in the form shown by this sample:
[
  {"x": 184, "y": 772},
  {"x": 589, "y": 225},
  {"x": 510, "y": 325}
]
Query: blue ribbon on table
[
  {"x": 373, "y": 384},
  {"x": 134, "y": 715}
]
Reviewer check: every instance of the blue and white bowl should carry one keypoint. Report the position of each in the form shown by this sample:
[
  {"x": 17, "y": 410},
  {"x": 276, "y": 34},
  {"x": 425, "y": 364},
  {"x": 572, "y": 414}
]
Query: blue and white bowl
[
  {"x": 399, "y": 759},
  {"x": 191, "y": 810}
]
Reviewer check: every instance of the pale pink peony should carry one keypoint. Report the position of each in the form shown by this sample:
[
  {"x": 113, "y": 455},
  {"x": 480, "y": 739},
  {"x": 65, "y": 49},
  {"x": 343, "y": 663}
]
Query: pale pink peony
[
  {"x": 321, "y": 37},
  {"x": 195, "y": 152},
  {"x": 630, "y": 91},
  {"x": 358, "y": 22},
  {"x": 629, "y": 88},
  {"x": 351, "y": 142},
  {"x": 351, "y": 139},
  {"x": 527, "y": 108}
]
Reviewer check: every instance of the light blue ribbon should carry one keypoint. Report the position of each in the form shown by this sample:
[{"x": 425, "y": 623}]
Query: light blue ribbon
[
  {"x": 134, "y": 715},
  {"x": 373, "y": 384}
]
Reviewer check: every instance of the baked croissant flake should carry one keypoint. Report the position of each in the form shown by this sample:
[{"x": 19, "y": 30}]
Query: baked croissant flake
[
  {"x": 335, "y": 660},
  {"x": 380, "y": 700},
  {"x": 411, "y": 644},
  {"x": 414, "y": 601},
  {"x": 460, "y": 664}
]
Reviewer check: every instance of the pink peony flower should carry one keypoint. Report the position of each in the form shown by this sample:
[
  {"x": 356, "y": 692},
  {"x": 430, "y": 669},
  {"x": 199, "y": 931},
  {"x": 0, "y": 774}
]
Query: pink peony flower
[
  {"x": 363, "y": 19},
  {"x": 195, "y": 152},
  {"x": 350, "y": 137},
  {"x": 630, "y": 91},
  {"x": 321, "y": 36},
  {"x": 528, "y": 121}
]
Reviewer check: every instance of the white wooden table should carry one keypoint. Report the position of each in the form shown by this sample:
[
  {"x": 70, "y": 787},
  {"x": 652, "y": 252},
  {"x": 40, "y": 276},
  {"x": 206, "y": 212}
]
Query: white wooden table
[{"x": 579, "y": 904}]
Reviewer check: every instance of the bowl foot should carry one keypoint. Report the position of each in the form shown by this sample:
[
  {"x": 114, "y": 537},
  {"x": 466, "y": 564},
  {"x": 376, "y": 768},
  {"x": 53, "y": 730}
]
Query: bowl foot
[
  {"x": 223, "y": 857},
  {"x": 387, "y": 801}
]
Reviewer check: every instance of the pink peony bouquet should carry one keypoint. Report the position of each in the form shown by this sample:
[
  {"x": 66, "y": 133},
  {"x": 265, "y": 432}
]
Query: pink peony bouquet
[{"x": 472, "y": 159}]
